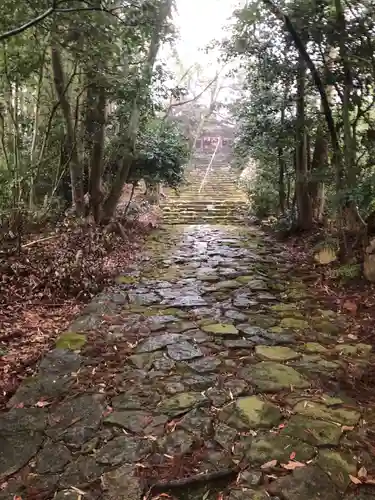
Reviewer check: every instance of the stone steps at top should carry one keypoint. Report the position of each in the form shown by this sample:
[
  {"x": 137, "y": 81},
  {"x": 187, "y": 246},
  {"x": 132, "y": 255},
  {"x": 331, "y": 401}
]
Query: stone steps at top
[{"x": 219, "y": 201}]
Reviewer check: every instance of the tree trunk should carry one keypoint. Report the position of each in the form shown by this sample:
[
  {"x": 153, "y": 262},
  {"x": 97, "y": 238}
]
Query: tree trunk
[
  {"x": 318, "y": 165},
  {"x": 96, "y": 160},
  {"x": 75, "y": 166},
  {"x": 153, "y": 193},
  {"x": 304, "y": 220},
  {"x": 280, "y": 157},
  {"x": 114, "y": 195},
  {"x": 281, "y": 180},
  {"x": 300, "y": 46}
]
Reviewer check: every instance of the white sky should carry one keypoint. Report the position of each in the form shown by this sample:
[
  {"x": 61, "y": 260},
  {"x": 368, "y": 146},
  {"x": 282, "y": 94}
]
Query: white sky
[{"x": 198, "y": 23}]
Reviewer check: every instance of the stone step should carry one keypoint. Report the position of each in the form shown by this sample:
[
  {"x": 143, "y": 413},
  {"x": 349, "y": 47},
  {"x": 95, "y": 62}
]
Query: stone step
[
  {"x": 198, "y": 202},
  {"x": 202, "y": 212},
  {"x": 203, "y": 216},
  {"x": 202, "y": 221},
  {"x": 222, "y": 209}
]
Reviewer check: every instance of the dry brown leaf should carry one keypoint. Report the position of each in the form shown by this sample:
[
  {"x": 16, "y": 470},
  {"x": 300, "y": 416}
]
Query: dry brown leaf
[
  {"x": 370, "y": 480},
  {"x": 362, "y": 473},
  {"x": 347, "y": 428},
  {"x": 293, "y": 465},
  {"x": 269, "y": 465},
  {"x": 354, "y": 479}
]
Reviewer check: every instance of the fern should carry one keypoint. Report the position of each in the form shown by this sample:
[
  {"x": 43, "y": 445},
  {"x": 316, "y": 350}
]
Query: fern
[{"x": 348, "y": 271}]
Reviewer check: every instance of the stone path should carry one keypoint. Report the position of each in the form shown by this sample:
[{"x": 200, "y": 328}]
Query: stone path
[{"x": 213, "y": 370}]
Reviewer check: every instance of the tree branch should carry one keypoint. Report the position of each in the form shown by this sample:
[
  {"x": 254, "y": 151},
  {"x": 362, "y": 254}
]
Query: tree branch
[
  {"x": 314, "y": 72},
  {"x": 53, "y": 10},
  {"x": 24, "y": 27}
]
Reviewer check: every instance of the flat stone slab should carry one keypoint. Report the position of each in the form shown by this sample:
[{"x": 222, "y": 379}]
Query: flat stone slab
[
  {"x": 134, "y": 421},
  {"x": 181, "y": 403},
  {"x": 294, "y": 324},
  {"x": 305, "y": 483},
  {"x": 312, "y": 409},
  {"x": 278, "y": 447},
  {"x": 268, "y": 376},
  {"x": 339, "y": 466},
  {"x": 183, "y": 351},
  {"x": 205, "y": 365},
  {"x": 117, "y": 481},
  {"x": 225, "y": 436},
  {"x": 250, "y": 413},
  {"x": 123, "y": 449},
  {"x": 276, "y": 353},
  {"x": 315, "y": 432},
  {"x": 156, "y": 342},
  {"x": 188, "y": 301},
  {"x": 177, "y": 442},
  {"x": 220, "y": 329}
]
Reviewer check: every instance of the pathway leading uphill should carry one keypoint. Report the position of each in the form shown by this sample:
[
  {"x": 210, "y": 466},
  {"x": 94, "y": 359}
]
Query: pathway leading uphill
[{"x": 209, "y": 373}]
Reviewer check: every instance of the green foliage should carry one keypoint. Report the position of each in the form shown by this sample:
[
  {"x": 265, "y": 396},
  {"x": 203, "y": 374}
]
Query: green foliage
[
  {"x": 162, "y": 155},
  {"x": 347, "y": 272},
  {"x": 99, "y": 48},
  {"x": 266, "y": 108}
]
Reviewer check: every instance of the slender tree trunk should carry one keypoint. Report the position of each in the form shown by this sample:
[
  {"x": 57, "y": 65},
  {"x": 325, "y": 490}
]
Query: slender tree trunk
[
  {"x": 318, "y": 165},
  {"x": 114, "y": 195},
  {"x": 33, "y": 152},
  {"x": 280, "y": 157},
  {"x": 76, "y": 176},
  {"x": 300, "y": 46},
  {"x": 97, "y": 150},
  {"x": 281, "y": 180},
  {"x": 304, "y": 220}
]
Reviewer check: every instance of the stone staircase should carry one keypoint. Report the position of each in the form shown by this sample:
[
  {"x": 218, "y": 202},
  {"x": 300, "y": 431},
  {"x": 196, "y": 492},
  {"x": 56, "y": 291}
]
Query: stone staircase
[{"x": 220, "y": 200}]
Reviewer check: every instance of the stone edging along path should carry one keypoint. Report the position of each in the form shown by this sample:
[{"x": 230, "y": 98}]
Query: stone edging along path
[{"x": 210, "y": 373}]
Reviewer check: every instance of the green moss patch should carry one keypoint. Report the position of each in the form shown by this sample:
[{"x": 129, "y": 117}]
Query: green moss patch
[{"x": 71, "y": 340}]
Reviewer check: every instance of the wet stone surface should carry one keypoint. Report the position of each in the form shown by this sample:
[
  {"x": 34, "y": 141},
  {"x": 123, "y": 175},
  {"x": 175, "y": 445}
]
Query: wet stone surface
[{"x": 213, "y": 354}]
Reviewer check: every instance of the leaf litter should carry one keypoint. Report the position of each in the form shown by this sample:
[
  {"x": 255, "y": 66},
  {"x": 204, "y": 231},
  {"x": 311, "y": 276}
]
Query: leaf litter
[{"x": 45, "y": 286}]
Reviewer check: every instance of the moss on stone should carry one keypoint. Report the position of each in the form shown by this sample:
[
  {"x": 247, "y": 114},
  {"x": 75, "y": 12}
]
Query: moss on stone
[
  {"x": 276, "y": 353},
  {"x": 220, "y": 329},
  {"x": 354, "y": 350},
  {"x": 338, "y": 466},
  {"x": 71, "y": 340},
  {"x": 244, "y": 279},
  {"x": 314, "y": 347},
  {"x": 294, "y": 324},
  {"x": 126, "y": 280},
  {"x": 325, "y": 326},
  {"x": 312, "y": 409}
]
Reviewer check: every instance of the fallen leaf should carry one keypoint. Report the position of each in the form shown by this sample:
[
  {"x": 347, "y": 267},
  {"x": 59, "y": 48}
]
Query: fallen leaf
[
  {"x": 42, "y": 404},
  {"x": 292, "y": 455},
  {"x": 347, "y": 428},
  {"x": 362, "y": 473},
  {"x": 369, "y": 480},
  {"x": 269, "y": 465},
  {"x": 354, "y": 479},
  {"x": 293, "y": 465}
]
